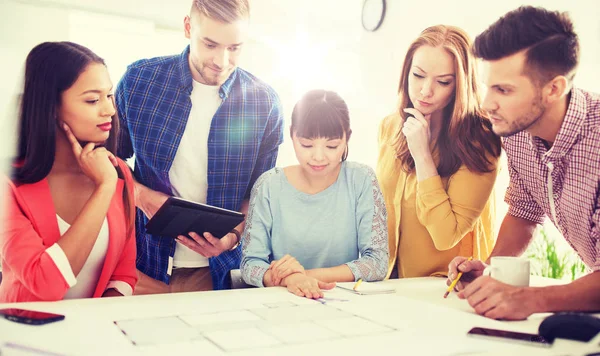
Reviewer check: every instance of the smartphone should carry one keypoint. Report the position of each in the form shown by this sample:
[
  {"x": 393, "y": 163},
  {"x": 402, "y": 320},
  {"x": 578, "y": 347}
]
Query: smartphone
[
  {"x": 529, "y": 339},
  {"x": 30, "y": 317}
]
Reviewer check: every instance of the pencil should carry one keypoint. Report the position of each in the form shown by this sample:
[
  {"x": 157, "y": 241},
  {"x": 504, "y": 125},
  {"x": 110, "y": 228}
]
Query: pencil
[
  {"x": 357, "y": 284},
  {"x": 453, "y": 284}
]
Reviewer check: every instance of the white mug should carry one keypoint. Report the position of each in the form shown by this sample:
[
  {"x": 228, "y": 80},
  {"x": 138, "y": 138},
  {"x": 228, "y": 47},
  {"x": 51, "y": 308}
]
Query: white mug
[{"x": 509, "y": 270}]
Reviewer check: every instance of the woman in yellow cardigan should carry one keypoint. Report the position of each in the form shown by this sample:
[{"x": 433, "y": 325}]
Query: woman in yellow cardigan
[{"x": 438, "y": 159}]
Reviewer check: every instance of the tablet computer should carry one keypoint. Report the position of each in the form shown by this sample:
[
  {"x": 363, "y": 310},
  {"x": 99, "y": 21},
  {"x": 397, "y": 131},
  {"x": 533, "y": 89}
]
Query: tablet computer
[{"x": 179, "y": 217}]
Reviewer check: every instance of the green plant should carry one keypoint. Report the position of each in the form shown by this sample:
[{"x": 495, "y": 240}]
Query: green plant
[
  {"x": 548, "y": 261},
  {"x": 578, "y": 269}
]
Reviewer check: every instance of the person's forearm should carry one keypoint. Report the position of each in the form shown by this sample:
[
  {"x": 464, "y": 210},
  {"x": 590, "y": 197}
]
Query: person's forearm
[
  {"x": 232, "y": 238},
  {"x": 514, "y": 236},
  {"x": 340, "y": 273},
  {"x": 581, "y": 295},
  {"x": 78, "y": 241},
  {"x": 139, "y": 192},
  {"x": 425, "y": 167}
]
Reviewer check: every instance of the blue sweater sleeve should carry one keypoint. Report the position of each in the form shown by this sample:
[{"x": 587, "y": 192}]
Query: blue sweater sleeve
[
  {"x": 371, "y": 219},
  {"x": 256, "y": 239}
]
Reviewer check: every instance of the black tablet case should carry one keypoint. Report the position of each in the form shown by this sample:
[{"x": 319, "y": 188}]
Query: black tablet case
[{"x": 178, "y": 217}]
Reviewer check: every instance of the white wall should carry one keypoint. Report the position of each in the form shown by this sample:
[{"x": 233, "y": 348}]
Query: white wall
[
  {"x": 21, "y": 28},
  {"x": 321, "y": 43}
]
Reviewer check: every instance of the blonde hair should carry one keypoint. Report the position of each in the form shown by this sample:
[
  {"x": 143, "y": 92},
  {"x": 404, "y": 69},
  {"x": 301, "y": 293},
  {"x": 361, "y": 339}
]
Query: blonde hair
[
  {"x": 226, "y": 11},
  {"x": 466, "y": 134}
]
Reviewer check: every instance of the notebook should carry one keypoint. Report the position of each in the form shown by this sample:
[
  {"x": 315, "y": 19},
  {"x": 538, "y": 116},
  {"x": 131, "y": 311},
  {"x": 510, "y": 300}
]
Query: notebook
[{"x": 366, "y": 288}]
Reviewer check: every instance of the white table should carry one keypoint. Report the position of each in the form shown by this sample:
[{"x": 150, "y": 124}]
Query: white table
[{"x": 416, "y": 320}]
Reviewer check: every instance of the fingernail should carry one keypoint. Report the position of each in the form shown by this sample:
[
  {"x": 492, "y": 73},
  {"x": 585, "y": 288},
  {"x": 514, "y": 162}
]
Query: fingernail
[
  {"x": 461, "y": 267},
  {"x": 452, "y": 276}
]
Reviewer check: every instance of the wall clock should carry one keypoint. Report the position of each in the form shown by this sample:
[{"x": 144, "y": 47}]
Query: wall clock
[{"x": 373, "y": 13}]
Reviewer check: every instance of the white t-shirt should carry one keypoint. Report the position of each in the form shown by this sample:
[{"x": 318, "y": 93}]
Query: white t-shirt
[
  {"x": 87, "y": 279},
  {"x": 188, "y": 174},
  {"x": 84, "y": 284}
]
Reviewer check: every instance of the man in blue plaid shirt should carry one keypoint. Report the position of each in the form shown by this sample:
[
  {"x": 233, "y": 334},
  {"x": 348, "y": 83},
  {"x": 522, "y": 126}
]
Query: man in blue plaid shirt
[{"x": 202, "y": 129}]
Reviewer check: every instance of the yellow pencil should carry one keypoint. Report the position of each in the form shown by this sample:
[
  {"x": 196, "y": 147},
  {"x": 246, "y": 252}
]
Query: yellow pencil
[
  {"x": 357, "y": 284},
  {"x": 453, "y": 284}
]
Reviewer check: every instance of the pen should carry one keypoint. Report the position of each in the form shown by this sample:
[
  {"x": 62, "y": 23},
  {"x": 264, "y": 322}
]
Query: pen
[
  {"x": 357, "y": 284},
  {"x": 453, "y": 284}
]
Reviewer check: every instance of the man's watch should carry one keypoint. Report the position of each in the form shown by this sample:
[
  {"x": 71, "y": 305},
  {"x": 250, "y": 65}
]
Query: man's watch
[{"x": 238, "y": 239}]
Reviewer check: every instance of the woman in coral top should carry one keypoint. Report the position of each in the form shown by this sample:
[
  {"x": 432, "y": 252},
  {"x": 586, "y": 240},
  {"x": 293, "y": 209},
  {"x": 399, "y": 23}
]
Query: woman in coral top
[
  {"x": 68, "y": 229},
  {"x": 438, "y": 159}
]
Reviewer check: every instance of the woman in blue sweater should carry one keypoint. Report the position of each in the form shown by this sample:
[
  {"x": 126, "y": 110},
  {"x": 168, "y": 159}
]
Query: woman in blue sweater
[{"x": 321, "y": 221}]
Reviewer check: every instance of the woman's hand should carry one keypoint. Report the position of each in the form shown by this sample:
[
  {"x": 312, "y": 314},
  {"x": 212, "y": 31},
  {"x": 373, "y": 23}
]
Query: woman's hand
[
  {"x": 417, "y": 133},
  {"x": 98, "y": 164},
  {"x": 305, "y": 286},
  {"x": 284, "y": 267}
]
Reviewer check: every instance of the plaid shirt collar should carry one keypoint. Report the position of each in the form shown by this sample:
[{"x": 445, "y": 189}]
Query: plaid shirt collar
[
  {"x": 185, "y": 76},
  {"x": 569, "y": 131}
]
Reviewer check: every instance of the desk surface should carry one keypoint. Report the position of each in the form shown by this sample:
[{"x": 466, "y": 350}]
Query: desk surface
[{"x": 415, "y": 319}]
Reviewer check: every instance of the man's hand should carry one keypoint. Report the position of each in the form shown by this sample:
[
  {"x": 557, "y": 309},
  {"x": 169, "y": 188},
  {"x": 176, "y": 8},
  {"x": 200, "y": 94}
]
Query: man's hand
[
  {"x": 208, "y": 245},
  {"x": 497, "y": 300},
  {"x": 470, "y": 269},
  {"x": 284, "y": 267},
  {"x": 148, "y": 200},
  {"x": 305, "y": 286}
]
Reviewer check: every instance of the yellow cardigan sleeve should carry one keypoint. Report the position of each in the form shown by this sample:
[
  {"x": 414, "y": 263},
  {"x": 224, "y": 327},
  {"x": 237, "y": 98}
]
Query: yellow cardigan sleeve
[{"x": 449, "y": 215}]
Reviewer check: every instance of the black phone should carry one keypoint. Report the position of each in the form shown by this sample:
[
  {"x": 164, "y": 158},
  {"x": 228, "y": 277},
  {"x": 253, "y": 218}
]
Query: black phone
[
  {"x": 30, "y": 317},
  {"x": 529, "y": 339}
]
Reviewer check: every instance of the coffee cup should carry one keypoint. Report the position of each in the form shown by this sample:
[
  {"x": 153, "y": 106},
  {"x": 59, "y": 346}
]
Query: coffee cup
[{"x": 509, "y": 270}]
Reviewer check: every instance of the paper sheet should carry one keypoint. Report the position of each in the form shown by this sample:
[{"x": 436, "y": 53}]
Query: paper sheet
[
  {"x": 189, "y": 348},
  {"x": 157, "y": 330},
  {"x": 366, "y": 288},
  {"x": 231, "y": 340},
  {"x": 353, "y": 326},
  {"x": 300, "y": 332},
  {"x": 300, "y": 313}
]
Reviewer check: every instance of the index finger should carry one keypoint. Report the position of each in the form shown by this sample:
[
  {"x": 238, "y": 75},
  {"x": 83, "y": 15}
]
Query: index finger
[
  {"x": 418, "y": 116},
  {"x": 472, "y": 288},
  {"x": 414, "y": 112},
  {"x": 281, "y": 261},
  {"x": 211, "y": 239},
  {"x": 453, "y": 266},
  {"x": 72, "y": 139}
]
